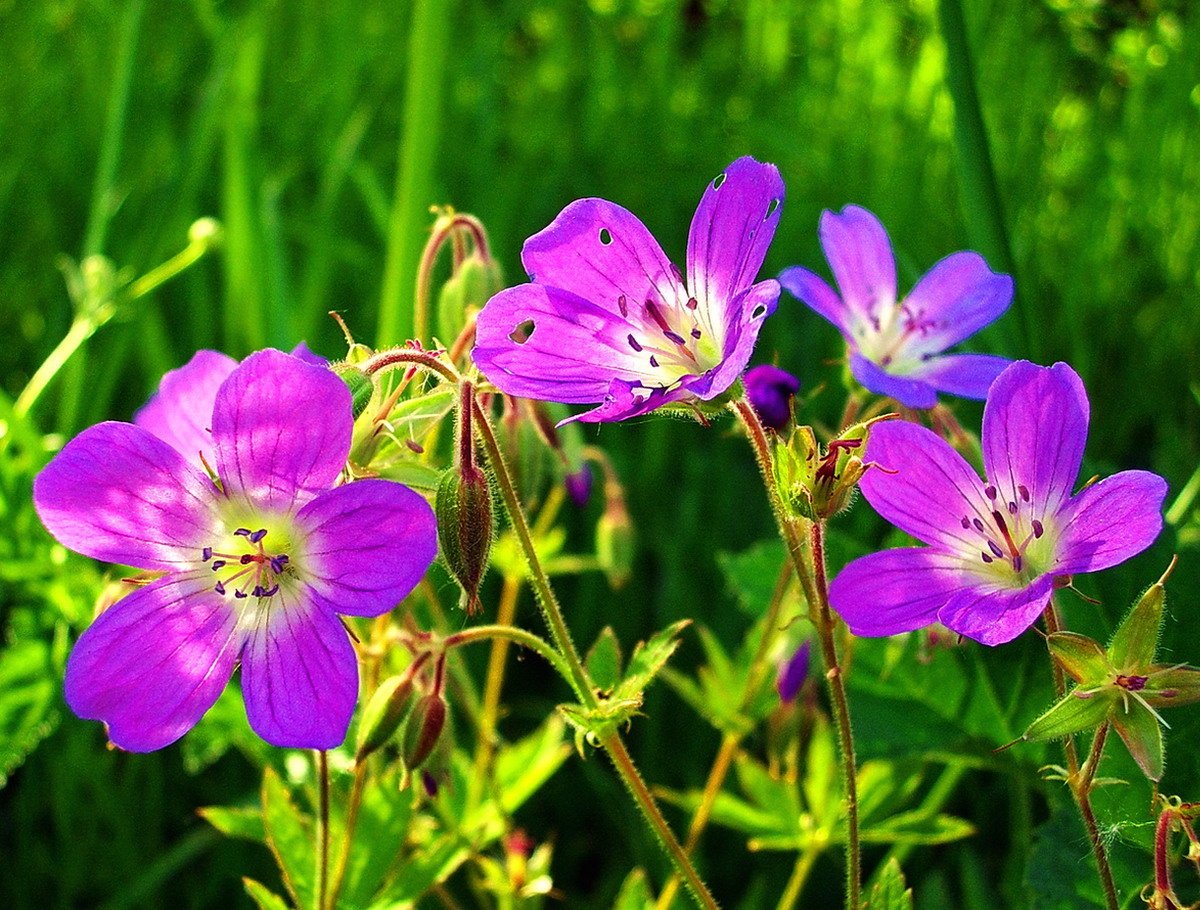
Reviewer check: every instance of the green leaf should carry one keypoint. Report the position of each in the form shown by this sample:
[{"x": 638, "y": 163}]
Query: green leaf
[
  {"x": 635, "y": 893},
  {"x": 222, "y": 728},
  {"x": 604, "y": 660},
  {"x": 236, "y": 821},
  {"x": 379, "y": 837},
  {"x": 1080, "y": 656},
  {"x": 431, "y": 864},
  {"x": 753, "y": 573},
  {"x": 1136, "y": 639},
  {"x": 1071, "y": 715},
  {"x": 264, "y": 898},
  {"x": 917, "y": 827},
  {"x": 1140, "y": 730},
  {"x": 29, "y": 702},
  {"x": 523, "y": 767},
  {"x": 289, "y": 836},
  {"x": 648, "y": 658},
  {"x": 888, "y": 891}
]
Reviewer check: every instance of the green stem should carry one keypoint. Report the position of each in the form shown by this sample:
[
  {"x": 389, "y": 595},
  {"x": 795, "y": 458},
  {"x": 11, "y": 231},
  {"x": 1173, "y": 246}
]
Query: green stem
[
  {"x": 322, "y": 828},
  {"x": 816, "y": 592},
  {"x": 414, "y": 170},
  {"x": 485, "y": 749},
  {"x": 513, "y": 634},
  {"x": 352, "y": 807},
  {"x": 577, "y": 673},
  {"x": 81, "y": 330},
  {"x": 795, "y": 883}
]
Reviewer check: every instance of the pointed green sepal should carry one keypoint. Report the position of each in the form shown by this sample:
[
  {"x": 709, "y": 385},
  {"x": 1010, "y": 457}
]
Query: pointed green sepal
[
  {"x": 1081, "y": 657},
  {"x": 1072, "y": 714},
  {"x": 1170, "y": 687},
  {"x": 1136, "y": 639},
  {"x": 1142, "y": 734}
]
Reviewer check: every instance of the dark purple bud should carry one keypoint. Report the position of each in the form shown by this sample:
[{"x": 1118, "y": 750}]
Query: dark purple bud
[
  {"x": 430, "y": 783},
  {"x": 793, "y": 672},
  {"x": 771, "y": 390},
  {"x": 579, "y": 485}
]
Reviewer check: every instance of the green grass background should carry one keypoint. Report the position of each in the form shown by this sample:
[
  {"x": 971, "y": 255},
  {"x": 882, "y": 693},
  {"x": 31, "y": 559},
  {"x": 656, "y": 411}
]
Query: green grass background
[{"x": 320, "y": 133}]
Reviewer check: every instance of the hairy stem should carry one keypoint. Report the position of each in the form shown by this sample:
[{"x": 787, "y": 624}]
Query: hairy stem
[
  {"x": 322, "y": 828},
  {"x": 497, "y": 663},
  {"x": 578, "y": 677},
  {"x": 352, "y": 807},
  {"x": 795, "y": 882}
]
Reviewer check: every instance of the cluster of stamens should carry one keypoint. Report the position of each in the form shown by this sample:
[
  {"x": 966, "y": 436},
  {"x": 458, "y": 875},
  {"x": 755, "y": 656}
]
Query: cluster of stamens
[
  {"x": 259, "y": 568},
  {"x": 910, "y": 322},
  {"x": 999, "y": 532},
  {"x": 683, "y": 321}
]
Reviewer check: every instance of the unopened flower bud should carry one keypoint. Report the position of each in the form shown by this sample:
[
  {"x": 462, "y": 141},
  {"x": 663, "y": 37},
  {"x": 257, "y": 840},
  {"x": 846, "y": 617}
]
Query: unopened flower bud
[
  {"x": 817, "y": 482},
  {"x": 579, "y": 485},
  {"x": 771, "y": 390},
  {"x": 360, "y": 384},
  {"x": 465, "y": 518},
  {"x": 423, "y": 729},
  {"x": 382, "y": 716},
  {"x": 615, "y": 537},
  {"x": 465, "y": 292},
  {"x": 793, "y": 672},
  {"x": 206, "y": 232}
]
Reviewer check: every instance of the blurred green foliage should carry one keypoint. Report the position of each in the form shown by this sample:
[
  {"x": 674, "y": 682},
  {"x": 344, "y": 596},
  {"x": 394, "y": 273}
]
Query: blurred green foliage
[{"x": 294, "y": 124}]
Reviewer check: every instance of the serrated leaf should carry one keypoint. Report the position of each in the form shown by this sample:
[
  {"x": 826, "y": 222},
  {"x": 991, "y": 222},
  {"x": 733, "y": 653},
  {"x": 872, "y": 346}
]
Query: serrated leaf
[
  {"x": 1142, "y": 735},
  {"x": 264, "y": 898},
  {"x": 604, "y": 660},
  {"x": 889, "y": 891},
  {"x": 523, "y": 767},
  {"x": 1071, "y": 715},
  {"x": 288, "y": 835},
  {"x": 647, "y": 659},
  {"x": 379, "y": 836},
  {"x": 1080, "y": 656},
  {"x": 29, "y": 702},
  {"x": 235, "y": 821},
  {"x": 430, "y": 865},
  {"x": 1136, "y": 639}
]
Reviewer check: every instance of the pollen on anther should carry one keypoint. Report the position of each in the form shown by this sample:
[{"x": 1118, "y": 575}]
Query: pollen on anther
[
  {"x": 218, "y": 564},
  {"x": 206, "y": 554},
  {"x": 258, "y": 535}
]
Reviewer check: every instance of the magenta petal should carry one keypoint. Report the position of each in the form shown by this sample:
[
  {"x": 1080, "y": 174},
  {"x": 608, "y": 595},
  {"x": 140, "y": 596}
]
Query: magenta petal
[
  {"x": 955, "y": 299},
  {"x": 368, "y": 545},
  {"x": 1109, "y": 522},
  {"x": 180, "y": 412},
  {"x": 731, "y": 231},
  {"x": 547, "y": 343},
  {"x": 965, "y": 375},
  {"x": 1035, "y": 425},
  {"x": 812, "y": 290},
  {"x": 627, "y": 399},
  {"x": 154, "y": 662},
  {"x": 993, "y": 616},
  {"x": 597, "y": 250},
  {"x": 282, "y": 429},
  {"x": 118, "y": 494},
  {"x": 860, "y": 256},
  {"x": 299, "y": 675},
  {"x": 303, "y": 352},
  {"x": 746, "y": 315},
  {"x": 931, "y": 490},
  {"x": 910, "y": 391},
  {"x": 897, "y": 591}
]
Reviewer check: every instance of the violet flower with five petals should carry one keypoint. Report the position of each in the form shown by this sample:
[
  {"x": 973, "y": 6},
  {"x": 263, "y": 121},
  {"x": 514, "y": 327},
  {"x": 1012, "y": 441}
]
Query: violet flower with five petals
[
  {"x": 896, "y": 348},
  {"x": 255, "y": 569},
  {"x": 997, "y": 547},
  {"x": 608, "y": 318}
]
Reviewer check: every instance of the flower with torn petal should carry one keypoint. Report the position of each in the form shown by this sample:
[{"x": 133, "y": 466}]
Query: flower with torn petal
[
  {"x": 256, "y": 567},
  {"x": 896, "y": 348},
  {"x": 607, "y": 318},
  {"x": 180, "y": 411},
  {"x": 997, "y": 547}
]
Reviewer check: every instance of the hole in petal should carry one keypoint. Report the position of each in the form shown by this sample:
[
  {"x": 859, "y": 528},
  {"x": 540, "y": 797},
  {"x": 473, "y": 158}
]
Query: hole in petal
[
  {"x": 771, "y": 208},
  {"x": 522, "y": 332},
  {"x": 605, "y": 236},
  {"x": 717, "y": 183},
  {"x": 758, "y": 311}
]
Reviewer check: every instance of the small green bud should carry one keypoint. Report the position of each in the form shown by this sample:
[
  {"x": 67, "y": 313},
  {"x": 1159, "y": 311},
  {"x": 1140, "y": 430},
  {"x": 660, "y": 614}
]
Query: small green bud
[
  {"x": 360, "y": 384},
  {"x": 465, "y": 292},
  {"x": 423, "y": 729},
  {"x": 615, "y": 542},
  {"x": 206, "y": 232},
  {"x": 466, "y": 527},
  {"x": 382, "y": 716}
]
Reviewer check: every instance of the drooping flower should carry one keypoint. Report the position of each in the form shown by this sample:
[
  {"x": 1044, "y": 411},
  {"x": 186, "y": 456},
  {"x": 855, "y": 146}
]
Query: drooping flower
[
  {"x": 771, "y": 391},
  {"x": 793, "y": 672},
  {"x": 996, "y": 547},
  {"x": 180, "y": 411},
  {"x": 608, "y": 318},
  {"x": 255, "y": 569},
  {"x": 896, "y": 348}
]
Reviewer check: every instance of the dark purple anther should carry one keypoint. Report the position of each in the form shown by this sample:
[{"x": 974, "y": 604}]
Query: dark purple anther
[
  {"x": 691, "y": 303},
  {"x": 218, "y": 564},
  {"x": 986, "y": 558},
  {"x": 1012, "y": 508},
  {"x": 979, "y": 526},
  {"x": 771, "y": 390},
  {"x": 206, "y": 554},
  {"x": 271, "y": 591},
  {"x": 219, "y": 587},
  {"x": 258, "y": 535},
  {"x": 579, "y": 485},
  {"x": 278, "y": 562},
  {"x": 792, "y": 673},
  {"x": 239, "y": 594},
  {"x": 258, "y": 591},
  {"x": 1024, "y": 491},
  {"x": 653, "y": 361},
  {"x": 247, "y": 558},
  {"x": 633, "y": 343},
  {"x": 1038, "y": 530},
  {"x": 242, "y": 532},
  {"x": 990, "y": 491},
  {"x": 696, "y": 333},
  {"x": 995, "y": 548},
  {"x": 966, "y": 523},
  {"x": 623, "y": 305},
  {"x": 674, "y": 336}
]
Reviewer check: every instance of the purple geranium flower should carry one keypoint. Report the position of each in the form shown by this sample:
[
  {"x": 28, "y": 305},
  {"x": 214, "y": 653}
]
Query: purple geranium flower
[
  {"x": 996, "y": 547},
  {"x": 608, "y": 318},
  {"x": 256, "y": 568},
  {"x": 771, "y": 391},
  {"x": 180, "y": 411},
  {"x": 896, "y": 348}
]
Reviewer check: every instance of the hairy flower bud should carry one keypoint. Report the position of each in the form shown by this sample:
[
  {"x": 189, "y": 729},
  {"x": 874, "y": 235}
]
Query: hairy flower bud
[
  {"x": 382, "y": 716},
  {"x": 465, "y": 292},
  {"x": 465, "y": 517},
  {"x": 361, "y": 386},
  {"x": 615, "y": 537},
  {"x": 423, "y": 729}
]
